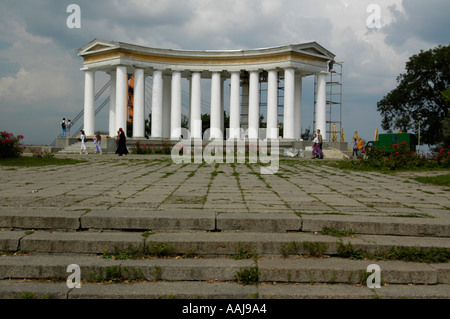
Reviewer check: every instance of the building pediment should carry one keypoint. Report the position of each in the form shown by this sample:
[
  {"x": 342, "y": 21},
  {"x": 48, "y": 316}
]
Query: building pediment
[{"x": 97, "y": 46}]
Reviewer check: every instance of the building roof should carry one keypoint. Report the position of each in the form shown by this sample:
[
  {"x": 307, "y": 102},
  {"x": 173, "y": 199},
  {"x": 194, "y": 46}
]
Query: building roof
[{"x": 101, "y": 54}]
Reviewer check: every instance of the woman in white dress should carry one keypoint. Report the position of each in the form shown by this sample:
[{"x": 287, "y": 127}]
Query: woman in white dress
[{"x": 83, "y": 142}]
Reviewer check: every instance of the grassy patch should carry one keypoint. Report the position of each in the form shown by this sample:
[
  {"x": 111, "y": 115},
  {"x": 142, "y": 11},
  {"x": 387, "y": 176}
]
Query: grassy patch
[
  {"x": 243, "y": 253},
  {"x": 412, "y": 254},
  {"x": 441, "y": 180},
  {"x": 248, "y": 276},
  {"x": 31, "y": 161},
  {"x": 315, "y": 249}
]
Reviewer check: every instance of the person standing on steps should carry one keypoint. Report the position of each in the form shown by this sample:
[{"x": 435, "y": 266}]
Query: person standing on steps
[
  {"x": 63, "y": 127},
  {"x": 69, "y": 125}
]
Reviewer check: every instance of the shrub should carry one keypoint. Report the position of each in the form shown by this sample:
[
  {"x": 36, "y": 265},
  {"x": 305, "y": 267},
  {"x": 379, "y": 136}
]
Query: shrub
[
  {"x": 402, "y": 158},
  {"x": 151, "y": 148},
  {"x": 10, "y": 146}
]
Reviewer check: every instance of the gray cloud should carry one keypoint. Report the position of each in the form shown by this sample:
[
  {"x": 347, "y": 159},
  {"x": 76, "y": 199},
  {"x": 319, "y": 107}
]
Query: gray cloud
[{"x": 426, "y": 20}]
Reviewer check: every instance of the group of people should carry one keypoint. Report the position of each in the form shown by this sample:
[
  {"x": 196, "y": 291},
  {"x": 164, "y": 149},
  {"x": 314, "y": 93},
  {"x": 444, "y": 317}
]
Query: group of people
[
  {"x": 97, "y": 142},
  {"x": 120, "y": 142},
  {"x": 65, "y": 127},
  {"x": 357, "y": 146},
  {"x": 317, "y": 146}
]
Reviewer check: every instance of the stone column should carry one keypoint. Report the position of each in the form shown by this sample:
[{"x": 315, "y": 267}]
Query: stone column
[
  {"x": 321, "y": 95},
  {"x": 272, "y": 105},
  {"x": 253, "y": 105},
  {"x": 157, "y": 104},
  {"x": 112, "y": 105},
  {"x": 139, "y": 104},
  {"x": 196, "y": 106},
  {"x": 289, "y": 91},
  {"x": 121, "y": 98},
  {"x": 235, "y": 116},
  {"x": 298, "y": 106},
  {"x": 175, "y": 122},
  {"x": 215, "y": 106},
  {"x": 89, "y": 100},
  {"x": 166, "y": 106},
  {"x": 222, "y": 106}
]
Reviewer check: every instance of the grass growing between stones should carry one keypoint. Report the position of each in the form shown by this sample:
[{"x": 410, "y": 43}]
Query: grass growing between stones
[
  {"x": 32, "y": 161},
  {"x": 248, "y": 276},
  {"x": 411, "y": 254}
]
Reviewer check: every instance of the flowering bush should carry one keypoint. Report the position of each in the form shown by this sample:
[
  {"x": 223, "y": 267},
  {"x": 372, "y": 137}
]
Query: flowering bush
[
  {"x": 10, "y": 146},
  {"x": 151, "y": 149},
  {"x": 402, "y": 158}
]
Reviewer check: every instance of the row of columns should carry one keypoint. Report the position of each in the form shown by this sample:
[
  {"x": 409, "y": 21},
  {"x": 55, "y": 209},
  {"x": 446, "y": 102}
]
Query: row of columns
[{"x": 166, "y": 104}]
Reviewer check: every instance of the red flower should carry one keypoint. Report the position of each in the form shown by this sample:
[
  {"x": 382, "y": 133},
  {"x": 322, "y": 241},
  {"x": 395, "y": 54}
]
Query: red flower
[
  {"x": 396, "y": 152},
  {"x": 395, "y": 145}
]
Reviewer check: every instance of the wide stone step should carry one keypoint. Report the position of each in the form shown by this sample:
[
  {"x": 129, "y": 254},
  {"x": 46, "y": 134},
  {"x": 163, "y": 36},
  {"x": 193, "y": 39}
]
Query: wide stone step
[
  {"x": 208, "y": 243},
  {"x": 280, "y": 270},
  {"x": 206, "y": 220},
  {"x": 12, "y": 289}
]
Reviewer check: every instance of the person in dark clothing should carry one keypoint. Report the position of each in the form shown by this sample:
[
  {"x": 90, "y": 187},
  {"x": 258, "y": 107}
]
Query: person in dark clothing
[{"x": 122, "y": 144}]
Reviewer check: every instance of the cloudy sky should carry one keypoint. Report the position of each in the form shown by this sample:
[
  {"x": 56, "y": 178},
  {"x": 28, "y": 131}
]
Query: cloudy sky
[{"x": 41, "y": 81}]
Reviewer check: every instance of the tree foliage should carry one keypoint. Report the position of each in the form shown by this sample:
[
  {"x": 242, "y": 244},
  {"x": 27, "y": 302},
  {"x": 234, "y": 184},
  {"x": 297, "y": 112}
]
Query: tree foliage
[{"x": 419, "y": 94}]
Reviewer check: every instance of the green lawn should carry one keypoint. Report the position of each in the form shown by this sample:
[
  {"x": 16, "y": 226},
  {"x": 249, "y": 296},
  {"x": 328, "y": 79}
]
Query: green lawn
[{"x": 441, "y": 180}]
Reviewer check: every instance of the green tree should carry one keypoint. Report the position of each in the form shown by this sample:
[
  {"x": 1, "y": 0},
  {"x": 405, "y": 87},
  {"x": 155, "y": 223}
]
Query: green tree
[
  {"x": 446, "y": 121},
  {"x": 419, "y": 94}
]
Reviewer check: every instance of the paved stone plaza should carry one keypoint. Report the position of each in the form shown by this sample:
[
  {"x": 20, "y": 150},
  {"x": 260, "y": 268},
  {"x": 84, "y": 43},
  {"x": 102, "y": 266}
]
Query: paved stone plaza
[
  {"x": 139, "y": 182},
  {"x": 84, "y": 209}
]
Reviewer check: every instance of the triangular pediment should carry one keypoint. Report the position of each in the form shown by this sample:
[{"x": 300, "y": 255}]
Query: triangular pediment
[
  {"x": 96, "y": 46},
  {"x": 314, "y": 48}
]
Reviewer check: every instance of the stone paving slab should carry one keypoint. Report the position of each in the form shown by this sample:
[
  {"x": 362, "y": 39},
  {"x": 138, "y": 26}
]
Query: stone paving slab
[
  {"x": 281, "y": 270},
  {"x": 150, "y": 220},
  {"x": 339, "y": 291},
  {"x": 166, "y": 290},
  {"x": 338, "y": 270},
  {"x": 43, "y": 218},
  {"x": 400, "y": 226},
  {"x": 259, "y": 222},
  {"x": 206, "y": 243},
  {"x": 84, "y": 242},
  {"x": 203, "y": 290}
]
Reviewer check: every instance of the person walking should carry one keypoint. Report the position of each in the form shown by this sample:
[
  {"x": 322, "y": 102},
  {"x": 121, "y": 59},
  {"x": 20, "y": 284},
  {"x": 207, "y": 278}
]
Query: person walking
[
  {"x": 97, "y": 141},
  {"x": 83, "y": 142},
  {"x": 317, "y": 151},
  {"x": 63, "y": 127},
  {"x": 122, "y": 144},
  {"x": 320, "y": 140}
]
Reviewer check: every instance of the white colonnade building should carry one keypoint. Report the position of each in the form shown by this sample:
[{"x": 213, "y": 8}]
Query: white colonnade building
[{"x": 244, "y": 69}]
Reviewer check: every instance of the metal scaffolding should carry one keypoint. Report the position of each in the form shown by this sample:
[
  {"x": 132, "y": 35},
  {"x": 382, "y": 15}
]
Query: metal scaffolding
[{"x": 334, "y": 101}]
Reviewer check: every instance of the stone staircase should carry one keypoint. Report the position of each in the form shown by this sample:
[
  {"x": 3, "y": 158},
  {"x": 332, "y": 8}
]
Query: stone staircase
[
  {"x": 202, "y": 254},
  {"x": 76, "y": 147}
]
